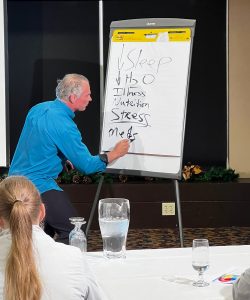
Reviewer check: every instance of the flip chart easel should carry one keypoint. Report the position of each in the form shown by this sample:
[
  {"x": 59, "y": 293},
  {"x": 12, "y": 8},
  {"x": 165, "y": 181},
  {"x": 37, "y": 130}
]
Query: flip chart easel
[{"x": 146, "y": 96}]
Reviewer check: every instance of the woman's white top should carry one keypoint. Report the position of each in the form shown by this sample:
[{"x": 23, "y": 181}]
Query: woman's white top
[
  {"x": 241, "y": 288},
  {"x": 63, "y": 269}
]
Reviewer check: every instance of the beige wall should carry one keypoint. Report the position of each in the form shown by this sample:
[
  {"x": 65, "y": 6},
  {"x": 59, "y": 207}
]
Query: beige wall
[{"x": 239, "y": 86}]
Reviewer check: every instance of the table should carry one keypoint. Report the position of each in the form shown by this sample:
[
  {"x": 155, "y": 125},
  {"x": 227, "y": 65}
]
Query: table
[{"x": 161, "y": 274}]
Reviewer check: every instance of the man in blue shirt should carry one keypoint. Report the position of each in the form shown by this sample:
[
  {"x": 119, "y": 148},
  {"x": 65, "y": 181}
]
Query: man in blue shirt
[{"x": 49, "y": 138}]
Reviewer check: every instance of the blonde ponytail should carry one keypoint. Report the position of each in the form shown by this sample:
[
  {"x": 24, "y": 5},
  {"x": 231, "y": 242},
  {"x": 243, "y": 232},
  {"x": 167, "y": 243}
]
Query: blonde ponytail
[{"x": 19, "y": 206}]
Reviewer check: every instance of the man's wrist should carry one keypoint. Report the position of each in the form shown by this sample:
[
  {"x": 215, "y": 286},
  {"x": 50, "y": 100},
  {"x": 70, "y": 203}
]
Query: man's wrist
[{"x": 104, "y": 158}]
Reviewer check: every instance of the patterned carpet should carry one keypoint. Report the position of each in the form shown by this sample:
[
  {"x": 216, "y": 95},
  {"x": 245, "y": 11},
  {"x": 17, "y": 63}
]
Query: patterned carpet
[{"x": 169, "y": 238}]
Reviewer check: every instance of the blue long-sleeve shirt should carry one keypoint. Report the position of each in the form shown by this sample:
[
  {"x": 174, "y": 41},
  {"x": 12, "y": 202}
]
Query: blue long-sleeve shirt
[{"x": 49, "y": 137}]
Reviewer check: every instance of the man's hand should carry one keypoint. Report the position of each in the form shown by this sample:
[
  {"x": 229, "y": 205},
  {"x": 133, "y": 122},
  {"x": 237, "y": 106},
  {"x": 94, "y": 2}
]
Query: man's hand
[{"x": 120, "y": 149}]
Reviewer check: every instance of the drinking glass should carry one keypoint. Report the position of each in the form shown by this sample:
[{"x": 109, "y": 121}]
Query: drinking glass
[
  {"x": 114, "y": 214},
  {"x": 200, "y": 260},
  {"x": 77, "y": 237}
]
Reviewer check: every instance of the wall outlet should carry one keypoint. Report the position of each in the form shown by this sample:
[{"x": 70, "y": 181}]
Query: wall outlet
[{"x": 168, "y": 209}]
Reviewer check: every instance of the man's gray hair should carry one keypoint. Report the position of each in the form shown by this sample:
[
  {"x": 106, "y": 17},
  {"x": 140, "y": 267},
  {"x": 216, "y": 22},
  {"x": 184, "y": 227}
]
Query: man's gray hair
[{"x": 70, "y": 84}]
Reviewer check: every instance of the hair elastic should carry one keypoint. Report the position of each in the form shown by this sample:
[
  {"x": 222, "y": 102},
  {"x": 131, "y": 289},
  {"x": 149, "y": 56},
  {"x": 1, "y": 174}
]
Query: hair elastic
[{"x": 17, "y": 200}]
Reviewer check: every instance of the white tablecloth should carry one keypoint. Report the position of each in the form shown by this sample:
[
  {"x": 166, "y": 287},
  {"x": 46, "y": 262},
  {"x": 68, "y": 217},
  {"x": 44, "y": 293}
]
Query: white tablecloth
[{"x": 167, "y": 274}]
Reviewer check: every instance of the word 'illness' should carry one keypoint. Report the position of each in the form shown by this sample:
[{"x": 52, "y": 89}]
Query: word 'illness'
[
  {"x": 128, "y": 91},
  {"x": 136, "y": 58}
]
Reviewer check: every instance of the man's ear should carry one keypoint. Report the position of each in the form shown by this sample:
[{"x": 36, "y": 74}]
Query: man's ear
[
  {"x": 42, "y": 213},
  {"x": 72, "y": 98}
]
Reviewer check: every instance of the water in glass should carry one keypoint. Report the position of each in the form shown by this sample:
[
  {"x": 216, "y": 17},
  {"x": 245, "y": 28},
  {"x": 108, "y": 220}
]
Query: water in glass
[
  {"x": 77, "y": 237},
  {"x": 200, "y": 260},
  {"x": 114, "y": 216}
]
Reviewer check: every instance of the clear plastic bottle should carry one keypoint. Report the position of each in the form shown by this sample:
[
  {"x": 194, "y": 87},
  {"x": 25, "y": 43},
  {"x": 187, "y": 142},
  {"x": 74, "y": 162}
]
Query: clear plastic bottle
[{"x": 77, "y": 237}]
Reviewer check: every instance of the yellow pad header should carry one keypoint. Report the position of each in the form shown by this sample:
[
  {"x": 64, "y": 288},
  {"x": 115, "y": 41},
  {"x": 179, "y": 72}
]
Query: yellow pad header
[{"x": 152, "y": 35}]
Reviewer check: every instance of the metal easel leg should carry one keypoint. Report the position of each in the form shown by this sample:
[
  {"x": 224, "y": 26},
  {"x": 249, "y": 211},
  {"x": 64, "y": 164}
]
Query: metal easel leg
[
  {"x": 94, "y": 205},
  {"x": 177, "y": 192}
]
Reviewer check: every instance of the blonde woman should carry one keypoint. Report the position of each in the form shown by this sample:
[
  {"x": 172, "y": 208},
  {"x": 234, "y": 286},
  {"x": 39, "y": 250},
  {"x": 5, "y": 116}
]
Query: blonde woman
[{"x": 32, "y": 265}]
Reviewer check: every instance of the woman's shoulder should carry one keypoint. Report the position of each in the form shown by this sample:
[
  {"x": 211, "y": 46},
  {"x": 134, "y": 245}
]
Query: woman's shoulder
[
  {"x": 44, "y": 243},
  {"x": 56, "y": 257},
  {"x": 61, "y": 268}
]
